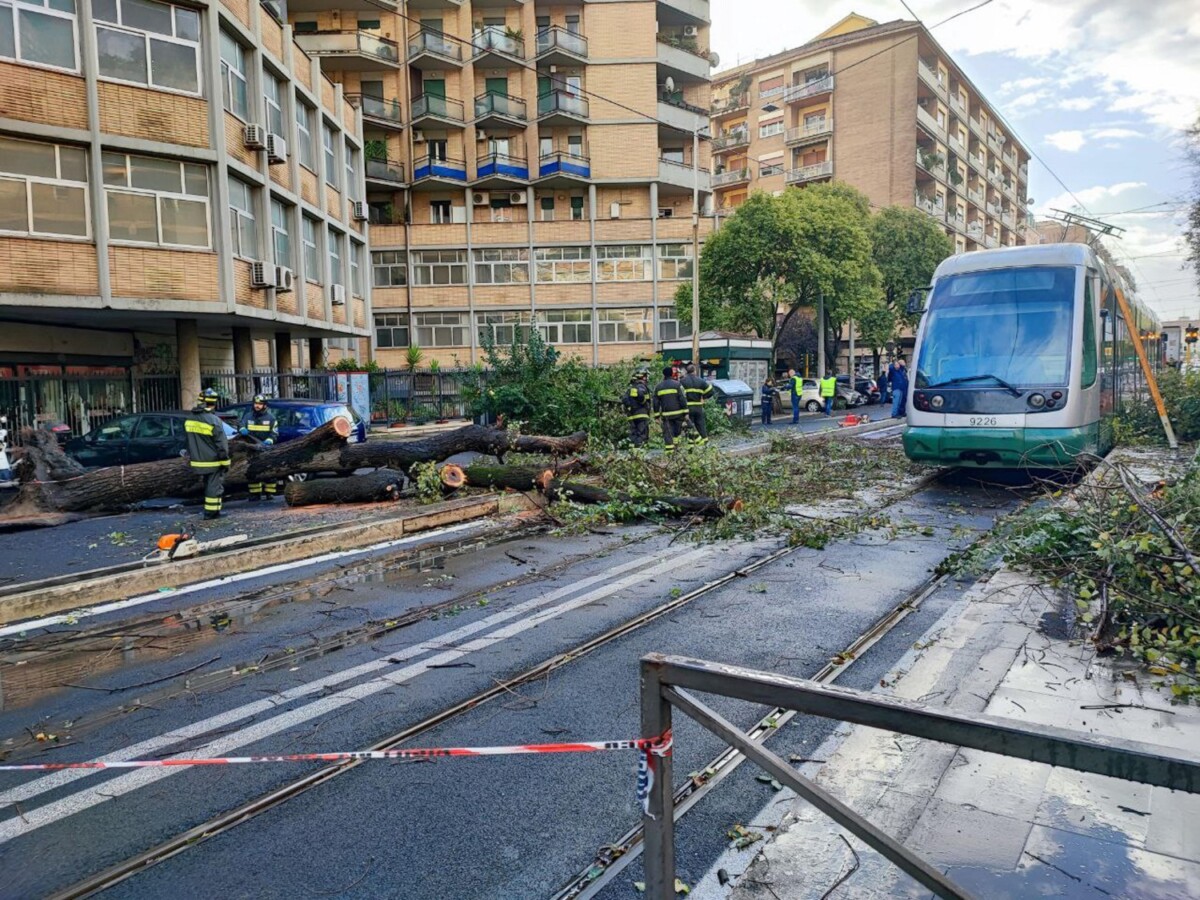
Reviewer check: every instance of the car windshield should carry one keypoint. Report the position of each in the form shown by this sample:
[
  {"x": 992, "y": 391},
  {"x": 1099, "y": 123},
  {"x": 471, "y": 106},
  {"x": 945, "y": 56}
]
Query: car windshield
[
  {"x": 332, "y": 412},
  {"x": 1002, "y": 325}
]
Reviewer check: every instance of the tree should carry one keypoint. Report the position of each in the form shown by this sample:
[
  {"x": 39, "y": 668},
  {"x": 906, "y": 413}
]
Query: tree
[{"x": 1192, "y": 233}]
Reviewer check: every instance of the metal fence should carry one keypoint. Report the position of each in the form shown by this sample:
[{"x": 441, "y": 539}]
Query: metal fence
[
  {"x": 240, "y": 387},
  {"x": 402, "y": 397},
  {"x": 664, "y": 679}
]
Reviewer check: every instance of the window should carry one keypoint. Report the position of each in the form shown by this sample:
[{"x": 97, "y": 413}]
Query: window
[
  {"x": 334, "y": 242},
  {"x": 273, "y": 90},
  {"x": 307, "y": 27},
  {"x": 439, "y": 212},
  {"x": 391, "y": 330},
  {"x": 623, "y": 326},
  {"x": 281, "y": 239},
  {"x": 436, "y": 267},
  {"x": 389, "y": 268},
  {"x": 156, "y": 201},
  {"x": 772, "y": 168},
  {"x": 674, "y": 261},
  {"x": 234, "y": 90},
  {"x": 575, "y": 145},
  {"x": 563, "y": 264},
  {"x": 350, "y": 158},
  {"x": 312, "y": 252},
  {"x": 770, "y": 128},
  {"x": 304, "y": 127},
  {"x": 440, "y": 329},
  {"x": 435, "y": 149},
  {"x": 243, "y": 233},
  {"x": 502, "y": 266},
  {"x": 565, "y": 326},
  {"x": 331, "y": 171},
  {"x": 502, "y": 327},
  {"x": 546, "y": 204},
  {"x": 356, "y": 267},
  {"x": 368, "y": 24},
  {"x": 39, "y": 32},
  {"x": 43, "y": 189},
  {"x": 1088, "y": 375},
  {"x": 144, "y": 42},
  {"x": 501, "y": 209},
  {"x": 545, "y": 146},
  {"x": 576, "y": 209},
  {"x": 669, "y": 327},
  {"x": 628, "y": 262},
  {"x": 672, "y": 154}
]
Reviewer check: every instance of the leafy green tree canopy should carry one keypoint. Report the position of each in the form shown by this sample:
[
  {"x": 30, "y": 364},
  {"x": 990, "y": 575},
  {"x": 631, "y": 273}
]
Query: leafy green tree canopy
[{"x": 908, "y": 246}]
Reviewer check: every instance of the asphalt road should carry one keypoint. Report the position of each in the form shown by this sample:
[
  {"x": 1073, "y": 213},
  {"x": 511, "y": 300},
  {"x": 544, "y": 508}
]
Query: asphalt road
[{"x": 516, "y": 826}]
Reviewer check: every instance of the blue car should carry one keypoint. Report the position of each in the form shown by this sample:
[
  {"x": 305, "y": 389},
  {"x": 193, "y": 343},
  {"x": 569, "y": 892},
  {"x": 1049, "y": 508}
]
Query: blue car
[{"x": 296, "y": 418}]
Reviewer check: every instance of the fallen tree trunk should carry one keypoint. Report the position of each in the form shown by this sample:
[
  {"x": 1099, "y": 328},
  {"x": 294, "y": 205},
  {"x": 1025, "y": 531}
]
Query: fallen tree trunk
[
  {"x": 374, "y": 487},
  {"x": 515, "y": 478},
  {"x": 579, "y": 492},
  {"x": 275, "y": 463}
]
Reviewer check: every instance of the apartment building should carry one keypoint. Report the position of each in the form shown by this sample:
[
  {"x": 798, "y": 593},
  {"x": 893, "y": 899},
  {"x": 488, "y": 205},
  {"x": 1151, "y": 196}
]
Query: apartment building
[
  {"x": 884, "y": 108},
  {"x": 177, "y": 185},
  {"x": 527, "y": 164}
]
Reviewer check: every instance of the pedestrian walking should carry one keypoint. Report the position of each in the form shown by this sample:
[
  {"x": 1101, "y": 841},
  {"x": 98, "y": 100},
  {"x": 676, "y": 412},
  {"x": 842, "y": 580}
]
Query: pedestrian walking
[
  {"x": 637, "y": 408},
  {"x": 208, "y": 450},
  {"x": 670, "y": 403},
  {"x": 767, "y": 394},
  {"x": 899, "y": 388},
  {"x": 829, "y": 390},
  {"x": 697, "y": 390},
  {"x": 796, "y": 383},
  {"x": 259, "y": 422}
]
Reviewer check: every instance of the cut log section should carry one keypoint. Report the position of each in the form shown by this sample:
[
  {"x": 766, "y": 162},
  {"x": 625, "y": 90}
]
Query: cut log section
[
  {"x": 375, "y": 487},
  {"x": 579, "y": 492},
  {"x": 513, "y": 478},
  {"x": 471, "y": 438},
  {"x": 276, "y": 463}
]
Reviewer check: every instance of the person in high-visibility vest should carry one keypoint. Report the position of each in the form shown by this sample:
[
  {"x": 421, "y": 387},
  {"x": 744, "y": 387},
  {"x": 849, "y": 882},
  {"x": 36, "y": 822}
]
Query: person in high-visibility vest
[
  {"x": 637, "y": 408},
  {"x": 208, "y": 450},
  {"x": 796, "y": 383},
  {"x": 829, "y": 390},
  {"x": 670, "y": 402}
]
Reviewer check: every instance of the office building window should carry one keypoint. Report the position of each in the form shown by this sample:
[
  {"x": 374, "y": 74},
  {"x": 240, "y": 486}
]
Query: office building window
[
  {"x": 144, "y": 42},
  {"x": 576, "y": 209},
  {"x": 234, "y": 90},
  {"x": 281, "y": 237},
  {"x": 391, "y": 330},
  {"x": 156, "y": 201},
  {"x": 350, "y": 158},
  {"x": 243, "y": 234},
  {"x": 669, "y": 327},
  {"x": 563, "y": 264},
  {"x": 333, "y": 241},
  {"x": 273, "y": 93},
  {"x": 312, "y": 250},
  {"x": 502, "y": 266},
  {"x": 331, "y": 169},
  {"x": 389, "y": 268},
  {"x": 565, "y": 326},
  {"x": 546, "y": 205},
  {"x": 624, "y": 326},
  {"x": 305, "y": 115},
  {"x": 627, "y": 262},
  {"x": 441, "y": 329},
  {"x": 43, "y": 189},
  {"x": 356, "y": 267},
  {"x": 438, "y": 267},
  {"x": 503, "y": 327},
  {"x": 674, "y": 261},
  {"x": 41, "y": 32}
]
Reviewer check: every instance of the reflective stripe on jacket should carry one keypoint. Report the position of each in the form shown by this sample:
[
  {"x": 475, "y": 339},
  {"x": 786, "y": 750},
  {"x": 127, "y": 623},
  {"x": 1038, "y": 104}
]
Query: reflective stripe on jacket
[
  {"x": 669, "y": 398},
  {"x": 261, "y": 425},
  {"x": 207, "y": 445},
  {"x": 637, "y": 401},
  {"x": 696, "y": 389}
]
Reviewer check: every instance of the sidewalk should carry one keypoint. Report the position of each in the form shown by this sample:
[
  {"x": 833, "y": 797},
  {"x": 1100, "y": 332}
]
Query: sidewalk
[{"x": 1000, "y": 827}]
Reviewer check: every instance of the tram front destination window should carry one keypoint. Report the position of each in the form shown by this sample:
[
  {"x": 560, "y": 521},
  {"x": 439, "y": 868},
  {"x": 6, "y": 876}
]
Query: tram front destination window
[{"x": 1011, "y": 324}]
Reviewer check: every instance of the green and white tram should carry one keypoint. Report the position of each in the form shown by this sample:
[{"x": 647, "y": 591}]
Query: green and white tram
[{"x": 1022, "y": 358}]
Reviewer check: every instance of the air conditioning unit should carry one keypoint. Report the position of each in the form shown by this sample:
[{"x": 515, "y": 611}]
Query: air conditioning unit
[
  {"x": 690, "y": 31},
  {"x": 358, "y": 210},
  {"x": 614, "y": 210},
  {"x": 262, "y": 275},
  {"x": 553, "y": 69},
  {"x": 480, "y": 198},
  {"x": 337, "y": 294},
  {"x": 276, "y": 149},
  {"x": 518, "y": 198},
  {"x": 418, "y": 136},
  {"x": 254, "y": 137},
  {"x": 285, "y": 279},
  {"x": 480, "y": 135}
]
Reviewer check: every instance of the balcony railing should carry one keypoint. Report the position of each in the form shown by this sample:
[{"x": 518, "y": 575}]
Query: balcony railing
[
  {"x": 500, "y": 105},
  {"x": 376, "y": 108},
  {"x": 389, "y": 170},
  {"x": 675, "y": 98},
  {"x": 926, "y": 119},
  {"x": 502, "y": 164},
  {"x": 439, "y": 167},
  {"x": 809, "y": 173},
  {"x": 930, "y": 207},
  {"x": 681, "y": 174},
  {"x": 956, "y": 145},
  {"x": 739, "y": 137},
  {"x": 977, "y": 161},
  {"x": 559, "y": 101},
  {"x": 794, "y": 92},
  {"x": 976, "y": 128},
  {"x": 348, "y": 43},
  {"x": 1023, "y": 172},
  {"x": 993, "y": 209},
  {"x": 436, "y": 43},
  {"x": 931, "y": 78},
  {"x": 932, "y": 163},
  {"x": 990, "y": 242},
  {"x": 975, "y": 196},
  {"x": 957, "y": 105},
  {"x": 496, "y": 39},
  {"x": 728, "y": 105},
  {"x": 441, "y": 107},
  {"x": 558, "y": 38},
  {"x": 733, "y": 176},
  {"x": 564, "y": 162},
  {"x": 809, "y": 131},
  {"x": 1008, "y": 219}
]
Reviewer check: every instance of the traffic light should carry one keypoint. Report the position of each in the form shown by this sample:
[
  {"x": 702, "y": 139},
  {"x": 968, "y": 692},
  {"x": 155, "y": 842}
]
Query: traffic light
[{"x": 1193, "y": 334}]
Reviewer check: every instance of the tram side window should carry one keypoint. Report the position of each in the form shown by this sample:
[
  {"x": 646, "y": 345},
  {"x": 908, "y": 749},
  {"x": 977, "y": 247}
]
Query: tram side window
[{"x": 1089, "y": 336}]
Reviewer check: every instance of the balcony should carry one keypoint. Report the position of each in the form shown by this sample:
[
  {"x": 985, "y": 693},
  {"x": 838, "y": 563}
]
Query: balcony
[
  {"x": 500, "y": 109},
  {"x": 930, "y": 207},
  {"x": 1023, "y": 173},
  {"x": 682, "y": 175},
  {"x": 930, "y": 124},
  {"x": 561, "y": 167},
  {"x": 993, "y": 142},
  {"x": 386, "y": 174},
  {"x": 279, "y": 10},
  {"x": 558, "y": 46},
  {"x": 731, "y": 140},
  {"x": 959, "y": 108},
  {"x": 933, "y": 163},
  {"x": 956, "y": 145},
  {"x": 990, "y": 242},
  {"x": 811, "y": 133},
  {"x": 993, "y": 176},
  {"x": 377, "y": 111},
  {"x": 730, "y": 178},
  {"x": 433, "y": 50},
  {"x": 957, "y": 221},
  {"x": 498, "y": 169},
  {"x": 975, "y": 231},
  {"x": 350, "y": 51},
  {"x": 794, "y": 93},
  {"x": 495, "y": 47},
  {"x": 426, "y": 4},
  {"x": 558, "y": 107},
  {"x": 993, "y": 209},
  {"x": 682, "y": 58},
  {"x": 977, "y": 162},
  {"x": 435, "y": 168},
  {"x": 729, "y": 106},
  {"x": 929, "y": 75},
  {"x": 1009, "y": 220},
  {"x": 431, "y": 108},
  {"x": 975, "y": 196},
  {"x": 693, "y": 9},
  {"x": 676, "y": 112},
  {"x": 976, "y": 129},
  {"x": 805, "y": 174}
]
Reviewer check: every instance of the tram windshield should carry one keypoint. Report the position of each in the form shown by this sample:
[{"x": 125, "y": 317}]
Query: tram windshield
[{"x": 999, "y": 325}]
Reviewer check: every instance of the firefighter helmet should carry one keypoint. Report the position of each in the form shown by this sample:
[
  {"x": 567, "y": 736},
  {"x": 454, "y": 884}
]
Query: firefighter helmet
[{"x": 208, "y": 397}]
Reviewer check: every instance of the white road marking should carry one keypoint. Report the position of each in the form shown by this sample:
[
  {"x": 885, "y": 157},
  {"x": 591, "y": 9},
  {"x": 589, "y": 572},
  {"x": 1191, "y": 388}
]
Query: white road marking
[{"x": 31, "y": 820}]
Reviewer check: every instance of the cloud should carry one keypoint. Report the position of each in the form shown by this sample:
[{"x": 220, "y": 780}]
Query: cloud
[
  {"x": 1074, "y": 140},
  {"x": 1078, "y": 104},
  {"x": 1069, "y": 141},
  {"x": 1123, "y": 194}
]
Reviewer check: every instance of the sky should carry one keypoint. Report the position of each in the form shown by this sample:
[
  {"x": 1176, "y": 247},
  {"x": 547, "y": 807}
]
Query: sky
[{"x": 1100, "y": 90}]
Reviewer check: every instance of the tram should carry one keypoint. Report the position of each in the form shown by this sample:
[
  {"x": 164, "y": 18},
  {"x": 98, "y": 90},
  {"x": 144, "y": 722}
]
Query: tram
[{"x": 1023, "y": 357}]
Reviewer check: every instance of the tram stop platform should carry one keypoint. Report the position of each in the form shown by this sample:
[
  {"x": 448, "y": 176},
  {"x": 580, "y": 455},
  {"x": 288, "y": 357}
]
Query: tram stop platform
[{"x": 999, "y": 827}]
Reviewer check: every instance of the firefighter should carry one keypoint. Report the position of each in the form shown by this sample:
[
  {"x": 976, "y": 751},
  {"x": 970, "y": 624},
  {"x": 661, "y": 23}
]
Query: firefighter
[
  {"x": 637, "y": 408},
  {"x": 259, "y": 422},
  {"x": 208, "y": 450},
  {"x": 670, "y": 402},
  {"x": 697, "y": 390}
]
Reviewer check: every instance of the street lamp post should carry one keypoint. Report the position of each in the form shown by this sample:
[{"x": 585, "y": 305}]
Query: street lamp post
[{"x": 696, "y": 249}]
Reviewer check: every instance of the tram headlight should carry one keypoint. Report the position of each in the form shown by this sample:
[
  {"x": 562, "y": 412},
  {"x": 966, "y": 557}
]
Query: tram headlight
[
  {"x": 1037, "y": 401},
  {"x": 937, "y": 401}
]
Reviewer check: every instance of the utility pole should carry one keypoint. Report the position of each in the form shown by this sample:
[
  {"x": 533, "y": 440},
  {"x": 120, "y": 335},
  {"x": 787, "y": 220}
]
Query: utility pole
[
  {"x": 853, "y": 368},
  {"x": 820, "y": 336},
  {"x": 696, "y": 250}
]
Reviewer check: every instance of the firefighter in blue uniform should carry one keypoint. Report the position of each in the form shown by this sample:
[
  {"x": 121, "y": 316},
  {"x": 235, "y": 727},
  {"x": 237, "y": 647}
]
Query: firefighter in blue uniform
[
  {"x": 259, "y": 422},
  {"x": 637, "y": 408},
  {"x": 208, "y": 450},
  {"x": 697, "y": 390},
  {"x": 670, "y": 402}
]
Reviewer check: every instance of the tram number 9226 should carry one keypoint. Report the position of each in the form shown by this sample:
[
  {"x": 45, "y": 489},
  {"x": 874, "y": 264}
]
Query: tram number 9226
[{"x": 983, "y": 422}]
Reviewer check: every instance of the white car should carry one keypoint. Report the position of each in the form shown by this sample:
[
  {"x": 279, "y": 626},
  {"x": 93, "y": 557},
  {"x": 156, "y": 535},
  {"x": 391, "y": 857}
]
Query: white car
[{"x": 811, "y": 399}]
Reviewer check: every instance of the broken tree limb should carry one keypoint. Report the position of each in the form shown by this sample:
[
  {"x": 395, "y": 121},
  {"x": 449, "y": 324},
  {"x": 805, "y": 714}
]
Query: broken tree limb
[
  {"x": 470, "y": 438},
  {"x": 277, "y": 462},
  {"x": 374, "y": 487},
  {"x": 579, "y": 492},
  {"x": 515, "y": 478}
]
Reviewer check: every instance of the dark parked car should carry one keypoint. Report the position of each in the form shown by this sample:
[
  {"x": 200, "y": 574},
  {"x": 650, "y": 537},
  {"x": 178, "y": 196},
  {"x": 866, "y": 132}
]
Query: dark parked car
[
  {"x": 296, "y": 418},
  {"x": 144, "y": 437},
  {"x": 865, "y": 386}
]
